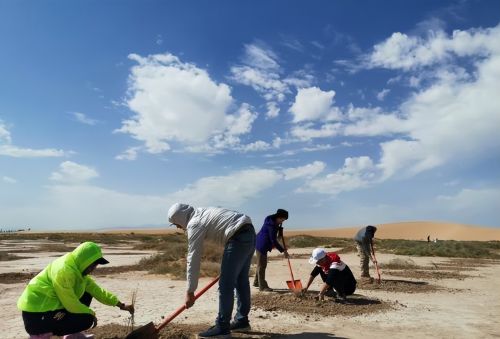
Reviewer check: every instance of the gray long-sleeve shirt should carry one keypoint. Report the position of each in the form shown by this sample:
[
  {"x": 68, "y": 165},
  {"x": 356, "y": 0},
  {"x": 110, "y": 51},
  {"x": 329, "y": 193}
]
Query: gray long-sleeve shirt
[{"x": 216, "y": 224}]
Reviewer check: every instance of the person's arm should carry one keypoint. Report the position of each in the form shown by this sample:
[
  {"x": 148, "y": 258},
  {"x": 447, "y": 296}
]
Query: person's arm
[
  {"x": 196, "y": 237},
  {"x": 105, "y": 297},
  {"x": 272, "y": 234},
  {"x": 314, "y": 274},
  {"x": 324, "y": 288},
  {"x": 63, "y": 285}
]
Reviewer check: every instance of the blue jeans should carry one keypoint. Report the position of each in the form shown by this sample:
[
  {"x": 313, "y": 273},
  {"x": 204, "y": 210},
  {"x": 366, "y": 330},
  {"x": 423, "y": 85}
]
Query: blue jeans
[{"x": 234, "y": 273}]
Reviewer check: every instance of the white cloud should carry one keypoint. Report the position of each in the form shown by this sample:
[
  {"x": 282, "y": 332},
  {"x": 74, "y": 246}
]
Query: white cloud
[
  {"x": 355, "y": 174},
  {"x": 266, "y": 83},
  {"x": 82, "y": 118},
  {"x": 73, "y": 173},
  {"x": 9, "y": 180},
  {"x": 231, "y": 190},
  {"x": 174, "y": 101},
  {"x": 307, "y": 131},
  {"x": 10, "y": 150},
  {"x": 256, "y": 146},
  {"x": 241, "y": 122},
  {"x": 452, "y": 120},
  {"x": 471, "y": 205},
  {"x": 401, "y": 51},
  {"x": 272, "y": 110},
  {"x": 372, "y": 122},
  {"x": 307, "y": 171},
  {"x": 128, "y": 154},
  {"x": 261, "y": 57},
  {"x": 382, "y": 94},
  {"x": 4, "y": 134},
  {"x": 313, "y": 104},
  {"x": 18, "y": 152}
]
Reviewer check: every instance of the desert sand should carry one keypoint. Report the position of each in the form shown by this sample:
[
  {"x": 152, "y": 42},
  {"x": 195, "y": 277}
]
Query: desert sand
[{"x": 464, "y": 307}]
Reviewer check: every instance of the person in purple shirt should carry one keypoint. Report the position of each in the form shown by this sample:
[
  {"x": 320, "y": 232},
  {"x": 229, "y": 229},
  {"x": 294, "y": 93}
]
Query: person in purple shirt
[{"x": 267, "y": 239}]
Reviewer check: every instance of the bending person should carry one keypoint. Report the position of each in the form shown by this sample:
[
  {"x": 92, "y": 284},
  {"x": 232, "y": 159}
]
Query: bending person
[
  {"x": 235, "y": 232},
  {"x": 56, "y": 301},
  {"x": 364, "y": 244}
]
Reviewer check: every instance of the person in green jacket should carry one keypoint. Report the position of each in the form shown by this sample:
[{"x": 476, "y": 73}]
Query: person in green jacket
[{"x": 56, "y": 301}]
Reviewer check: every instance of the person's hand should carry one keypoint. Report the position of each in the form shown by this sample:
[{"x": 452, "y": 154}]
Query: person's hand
[
  {"x": 190, "y": 299},
  {"x": 94, "y": 322},
  {"x": 285, "y": 253},
  {"x": 129, "y": 308}
]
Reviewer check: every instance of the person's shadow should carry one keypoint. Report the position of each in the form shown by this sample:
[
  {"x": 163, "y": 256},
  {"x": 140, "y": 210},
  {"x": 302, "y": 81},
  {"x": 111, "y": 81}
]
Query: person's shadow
[{"x": 270, "y": 335}]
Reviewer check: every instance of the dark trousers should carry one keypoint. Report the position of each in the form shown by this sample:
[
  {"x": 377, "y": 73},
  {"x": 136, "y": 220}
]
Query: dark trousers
[
  {"x": 342, "y": 281},
  {"x": 260, "y": 276},
  {"x": 59, "y": 322}
]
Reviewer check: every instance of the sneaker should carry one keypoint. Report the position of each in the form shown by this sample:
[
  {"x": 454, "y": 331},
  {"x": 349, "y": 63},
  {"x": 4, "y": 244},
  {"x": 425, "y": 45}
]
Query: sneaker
[
  {"x": 215, "y": 332},
  {"x": 240, "y": 326},
  {"x": 331, "y": 293}
]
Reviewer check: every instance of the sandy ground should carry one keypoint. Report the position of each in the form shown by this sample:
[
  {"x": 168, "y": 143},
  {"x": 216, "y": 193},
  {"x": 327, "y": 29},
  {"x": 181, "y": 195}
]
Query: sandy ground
[{"x": 458, "y": 308}]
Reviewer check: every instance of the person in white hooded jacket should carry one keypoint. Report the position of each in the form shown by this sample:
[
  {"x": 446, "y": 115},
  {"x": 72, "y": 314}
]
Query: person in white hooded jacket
[{"x": 235, "y": 232}]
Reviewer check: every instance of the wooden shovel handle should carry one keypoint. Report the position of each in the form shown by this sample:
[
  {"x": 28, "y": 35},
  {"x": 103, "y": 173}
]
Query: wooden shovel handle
[
  {"x": 183, "y": 307},
  {"x": 288, "y": 259}
]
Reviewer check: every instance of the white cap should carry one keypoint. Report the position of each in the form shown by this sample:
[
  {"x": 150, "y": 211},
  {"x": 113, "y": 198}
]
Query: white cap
[{"x": 318, "y": 254}]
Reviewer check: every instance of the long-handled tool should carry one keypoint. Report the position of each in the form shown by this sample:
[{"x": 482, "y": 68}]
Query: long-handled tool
[
  {"x": 150, "y": 331},
  {"x": 376, "y": 265},
  {"x": 294, "y": 285}
]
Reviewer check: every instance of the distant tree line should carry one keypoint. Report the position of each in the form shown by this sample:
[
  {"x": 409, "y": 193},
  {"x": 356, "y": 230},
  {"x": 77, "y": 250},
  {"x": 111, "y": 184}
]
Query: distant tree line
[{"x": 14, "y": 231}]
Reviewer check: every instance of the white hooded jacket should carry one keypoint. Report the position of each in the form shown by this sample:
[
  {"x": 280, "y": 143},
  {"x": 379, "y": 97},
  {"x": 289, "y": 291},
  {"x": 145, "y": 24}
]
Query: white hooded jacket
[{"x": 216, "y": 224}]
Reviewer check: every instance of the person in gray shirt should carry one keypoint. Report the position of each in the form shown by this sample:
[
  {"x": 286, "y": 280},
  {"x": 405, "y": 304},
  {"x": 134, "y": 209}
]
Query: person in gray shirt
[{"x": 364, "y": 244}]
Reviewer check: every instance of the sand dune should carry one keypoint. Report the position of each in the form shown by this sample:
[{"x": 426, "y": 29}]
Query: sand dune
[{"x": 414, "y": 230}]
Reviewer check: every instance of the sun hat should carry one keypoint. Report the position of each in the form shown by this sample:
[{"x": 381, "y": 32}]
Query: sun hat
[
  {"x": 317, "y": 254},
  {"x": 281, "y": 213}
]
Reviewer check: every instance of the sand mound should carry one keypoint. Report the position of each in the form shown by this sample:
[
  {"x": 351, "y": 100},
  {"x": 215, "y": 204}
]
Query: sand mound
[{"x": 308, "y": 305}]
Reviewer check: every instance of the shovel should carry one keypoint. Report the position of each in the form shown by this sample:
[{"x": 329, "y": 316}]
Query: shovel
[
  {"x": 294, "y": 285},
  {"x": 150, "y": 331},
  {"x": 379, "y": 280}
]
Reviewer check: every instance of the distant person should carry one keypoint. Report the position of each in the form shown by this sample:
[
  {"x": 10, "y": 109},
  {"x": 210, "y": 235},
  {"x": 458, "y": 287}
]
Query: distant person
[
  {"x": 334, "y": 273},
  {"x": 56, "y": 301},
  {"x": 235, "y": 232},
  {"x": 428, "y": 238},
  {"x": 364, "y": 244},
  {"x": 267, "y": 239}
]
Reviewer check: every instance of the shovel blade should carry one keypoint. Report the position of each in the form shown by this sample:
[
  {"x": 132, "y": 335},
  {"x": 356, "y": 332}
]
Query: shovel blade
[
  {"x": 147, "y": 331},
  {"x": 294, "y": 285}
]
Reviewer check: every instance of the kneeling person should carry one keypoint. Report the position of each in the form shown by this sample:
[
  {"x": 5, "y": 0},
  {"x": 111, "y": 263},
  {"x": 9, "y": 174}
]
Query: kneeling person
[{"x": 334, "y": 273}]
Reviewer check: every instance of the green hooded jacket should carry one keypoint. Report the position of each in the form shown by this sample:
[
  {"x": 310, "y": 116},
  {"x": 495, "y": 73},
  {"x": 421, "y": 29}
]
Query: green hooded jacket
[{"x": 61, "y": 284}]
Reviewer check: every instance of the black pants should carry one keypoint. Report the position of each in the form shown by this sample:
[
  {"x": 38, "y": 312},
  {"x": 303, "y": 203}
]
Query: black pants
[
  {"x": 59, "y": 322},
  {"x": 342, "y": 281}
]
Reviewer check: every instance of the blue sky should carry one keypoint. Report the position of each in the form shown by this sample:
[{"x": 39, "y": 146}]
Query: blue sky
[{"x": 345, "y": 113}]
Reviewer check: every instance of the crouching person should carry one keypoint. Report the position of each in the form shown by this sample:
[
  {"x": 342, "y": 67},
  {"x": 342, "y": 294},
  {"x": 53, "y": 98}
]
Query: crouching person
[
  {"x": 56, "y": 301},
  {"x": 336, "y": 275}
]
